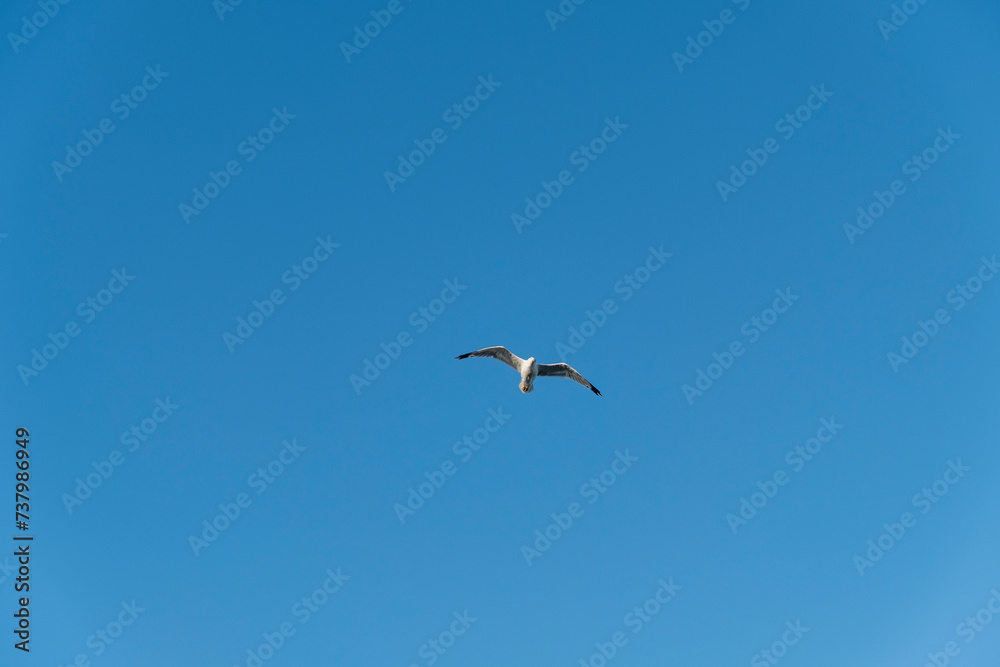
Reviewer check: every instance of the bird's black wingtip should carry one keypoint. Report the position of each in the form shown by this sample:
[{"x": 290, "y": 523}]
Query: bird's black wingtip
[
  {"x": 595, "y": 390},
  {"x": 463, "y": 356}
]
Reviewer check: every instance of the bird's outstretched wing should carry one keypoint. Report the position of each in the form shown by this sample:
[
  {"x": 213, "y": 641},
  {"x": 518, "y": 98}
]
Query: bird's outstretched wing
[
  {"x": 565, "y": 371},
  {"x": 499, "y": 353}
]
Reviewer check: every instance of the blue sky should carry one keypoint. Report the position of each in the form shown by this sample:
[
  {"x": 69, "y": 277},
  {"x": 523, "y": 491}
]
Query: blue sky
[{"x": 245, "y": 254}]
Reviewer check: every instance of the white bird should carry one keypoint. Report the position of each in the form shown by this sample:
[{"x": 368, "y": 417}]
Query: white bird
[{"x": 529, "y": 368}]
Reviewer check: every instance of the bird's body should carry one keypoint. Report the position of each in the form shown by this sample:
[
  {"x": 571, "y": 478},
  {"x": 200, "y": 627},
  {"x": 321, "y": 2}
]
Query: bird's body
[
  {"x": 529, "y": 368},
  {"x": 529, "y": 371}
]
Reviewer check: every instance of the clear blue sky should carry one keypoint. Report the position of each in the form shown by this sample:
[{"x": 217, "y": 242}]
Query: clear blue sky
[{"x": 288, "y": 136}]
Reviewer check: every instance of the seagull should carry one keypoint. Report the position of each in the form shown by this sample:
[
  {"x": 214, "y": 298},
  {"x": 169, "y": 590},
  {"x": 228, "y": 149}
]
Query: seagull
[{"x": 529, "y": 368}]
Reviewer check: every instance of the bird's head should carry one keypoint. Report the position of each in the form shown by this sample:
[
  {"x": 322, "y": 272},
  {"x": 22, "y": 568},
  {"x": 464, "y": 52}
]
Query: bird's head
[{"x": 530, "y": 360}]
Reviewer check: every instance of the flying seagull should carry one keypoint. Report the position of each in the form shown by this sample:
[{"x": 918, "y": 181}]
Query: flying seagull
[{"x": 529, "y": 368}]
